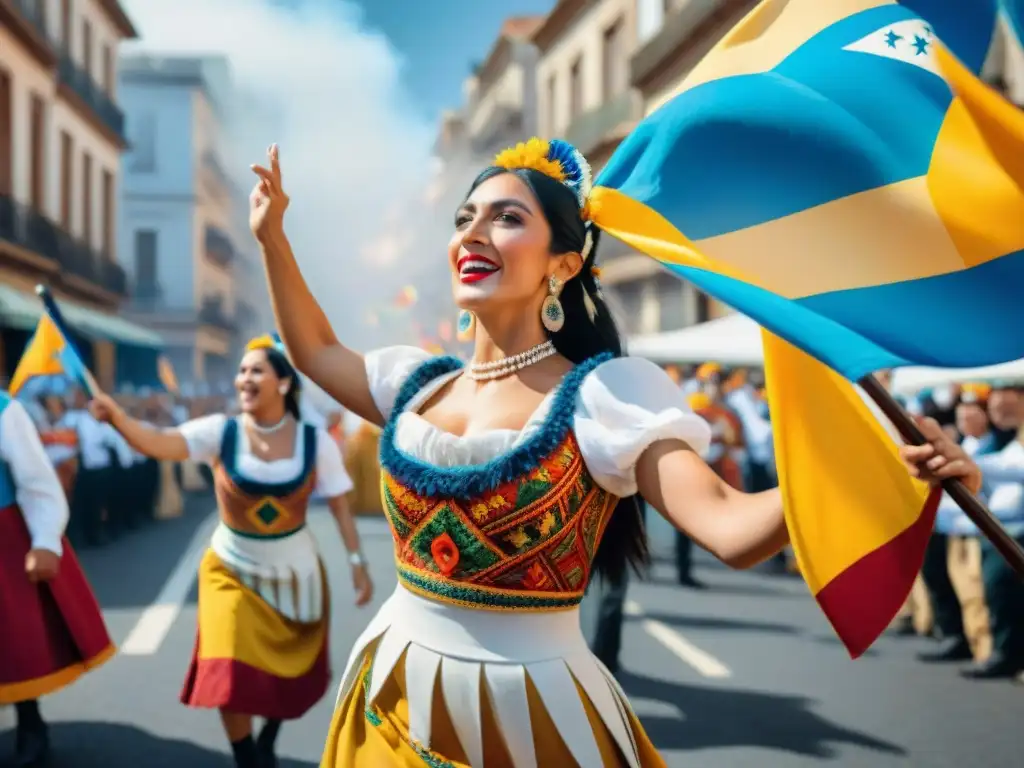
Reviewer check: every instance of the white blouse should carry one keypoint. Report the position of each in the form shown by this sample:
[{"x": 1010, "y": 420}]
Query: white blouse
[
  {"x": 624, "y": 405},
  {"x": 204, "y": 436},
  {"x": 36, "y": 486}
]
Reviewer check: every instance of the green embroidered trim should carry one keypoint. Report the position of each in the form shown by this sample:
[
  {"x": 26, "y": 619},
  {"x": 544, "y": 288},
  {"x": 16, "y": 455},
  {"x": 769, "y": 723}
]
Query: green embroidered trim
[
  {"x": 432, "y": 760},
  {"x": 467, "y": 594},
  {"x": 429, "y": 758},
  {"x": 265, "y": 536},
  {"x": 368, "y": 709}
]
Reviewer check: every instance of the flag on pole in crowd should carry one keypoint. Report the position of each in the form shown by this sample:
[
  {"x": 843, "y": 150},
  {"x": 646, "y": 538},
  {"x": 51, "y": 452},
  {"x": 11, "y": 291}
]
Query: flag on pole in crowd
[
  {"x": 165, "y": 372},
  {"x": 50, "y": 353},
  {"x": 838, "y": 174}
]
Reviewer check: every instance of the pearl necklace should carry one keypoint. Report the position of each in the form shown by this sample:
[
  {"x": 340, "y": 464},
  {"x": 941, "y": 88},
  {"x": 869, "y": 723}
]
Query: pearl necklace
[
  {"x": 265, "y": 430},
  {"x": 506, "y": 366}
]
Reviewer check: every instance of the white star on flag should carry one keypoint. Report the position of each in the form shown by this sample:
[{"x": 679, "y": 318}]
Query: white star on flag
[{"x": 910, "y": 41}]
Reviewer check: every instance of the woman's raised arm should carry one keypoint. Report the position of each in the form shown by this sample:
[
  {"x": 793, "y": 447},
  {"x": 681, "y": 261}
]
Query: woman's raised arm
[{"x": 304, "y": 329}]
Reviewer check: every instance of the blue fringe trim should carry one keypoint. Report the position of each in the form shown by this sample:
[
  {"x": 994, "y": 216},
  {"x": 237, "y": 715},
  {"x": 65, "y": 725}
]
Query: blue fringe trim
[{"x": 472, "y": 480}]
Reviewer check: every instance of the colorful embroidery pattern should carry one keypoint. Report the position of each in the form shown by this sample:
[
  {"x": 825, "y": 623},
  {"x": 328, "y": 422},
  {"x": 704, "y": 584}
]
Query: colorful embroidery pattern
[
  {"x": 429, "y": 758},
  {"x": 520, "y": 542}
]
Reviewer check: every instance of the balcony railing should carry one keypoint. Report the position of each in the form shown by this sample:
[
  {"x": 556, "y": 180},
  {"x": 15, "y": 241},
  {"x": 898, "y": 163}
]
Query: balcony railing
[
  {"x": 79, "y": 259},
  {"x": 591, "y": 129},
  {"x": 27, "y": 228},
  {"x": 212, "y": 312},
  {"x": 95, "y": 98},
  {"x": 219, "y": 248}
]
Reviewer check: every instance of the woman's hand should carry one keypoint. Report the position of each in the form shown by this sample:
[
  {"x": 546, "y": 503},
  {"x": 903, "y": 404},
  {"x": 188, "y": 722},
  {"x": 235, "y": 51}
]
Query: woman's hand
[
  {"x": 268, "y": 202},
  {"x": 940, "y": 459},
  {"x": 103, "y": 408},
  {"x": 41, "y": 565},
  {"x": 362, "y": 583}
]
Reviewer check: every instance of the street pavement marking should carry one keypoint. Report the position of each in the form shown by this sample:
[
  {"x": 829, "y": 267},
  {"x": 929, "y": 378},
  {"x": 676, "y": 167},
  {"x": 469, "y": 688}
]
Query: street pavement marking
[
  {"x": 702, "y": 661},
  {"x": 156, "y": 621}
]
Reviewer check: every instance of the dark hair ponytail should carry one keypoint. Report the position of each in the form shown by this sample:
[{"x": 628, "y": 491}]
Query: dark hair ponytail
[
  {"x": 285, "y": 370},
  {"x": 625, "y": 540}
]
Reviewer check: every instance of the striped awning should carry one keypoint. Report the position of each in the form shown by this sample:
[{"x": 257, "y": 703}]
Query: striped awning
[{"x": 22, "y": 310}]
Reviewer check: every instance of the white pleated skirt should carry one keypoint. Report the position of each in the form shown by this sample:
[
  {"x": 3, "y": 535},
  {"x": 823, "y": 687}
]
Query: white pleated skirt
[{"x": 473, "y": 649}]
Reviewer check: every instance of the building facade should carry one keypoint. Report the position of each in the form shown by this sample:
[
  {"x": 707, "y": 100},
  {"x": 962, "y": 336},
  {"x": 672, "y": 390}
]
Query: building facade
[
  {"x": 61, "y": 138},
  {"x": 182, "y": 215},
  {"x": 586, "y": 96}
]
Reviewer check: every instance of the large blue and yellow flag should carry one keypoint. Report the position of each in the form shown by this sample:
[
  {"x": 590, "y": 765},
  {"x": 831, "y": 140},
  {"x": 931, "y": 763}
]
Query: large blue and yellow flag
[
  {"x": 835, "y": 170},
  {"x": 48, "y": 353}
]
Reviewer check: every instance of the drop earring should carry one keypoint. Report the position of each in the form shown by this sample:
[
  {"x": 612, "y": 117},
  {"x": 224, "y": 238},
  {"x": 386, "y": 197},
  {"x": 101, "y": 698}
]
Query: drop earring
[
  {"x": 465, "y": 326},
  {"x": 551, "y": 314}
]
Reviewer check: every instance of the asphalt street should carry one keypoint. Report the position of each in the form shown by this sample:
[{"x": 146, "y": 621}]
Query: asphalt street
[{"x": 745, "y": 674}]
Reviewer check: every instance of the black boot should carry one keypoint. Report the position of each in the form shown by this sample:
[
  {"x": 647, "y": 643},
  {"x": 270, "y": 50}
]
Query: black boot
[
  {"x": 245, "y": 753},
  {"x": 265, "y": 744},
  {"x": 951, "y": 649},
  {"x": 996, "y": 667},
  {"x": 32, "y": 740}
]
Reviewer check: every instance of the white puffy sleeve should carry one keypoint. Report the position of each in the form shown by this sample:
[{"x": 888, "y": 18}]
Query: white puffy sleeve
[
  {"x": 204, "y": 436},
  {"x": 331, "y": 478},
  {"x": 624, "y": 406},
  {"x": 36, "y": 486},
  {"x": 387, "y": 369}
]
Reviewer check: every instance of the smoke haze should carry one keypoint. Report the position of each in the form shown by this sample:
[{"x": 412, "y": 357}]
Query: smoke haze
[{"x": 310, "y": 77}]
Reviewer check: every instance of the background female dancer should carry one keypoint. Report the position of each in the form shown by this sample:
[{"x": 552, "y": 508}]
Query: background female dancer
[
  {"x": 52, "y": 629},
  {"x": 261, "y": 648},
  {"x": 508, "y": 481}
]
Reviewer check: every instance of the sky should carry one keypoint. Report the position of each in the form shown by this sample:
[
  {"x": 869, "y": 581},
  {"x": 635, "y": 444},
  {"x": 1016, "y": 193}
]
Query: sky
[
  {"x": 438, "y": 47},
  {"x": 351, "y": 91}
]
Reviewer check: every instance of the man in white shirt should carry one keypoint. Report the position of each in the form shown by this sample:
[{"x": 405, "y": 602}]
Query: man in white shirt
[
  {"x": 1003, "y": 474},
  {"x": 93, "y": 485},
  {"x": 53, "y": 630}
]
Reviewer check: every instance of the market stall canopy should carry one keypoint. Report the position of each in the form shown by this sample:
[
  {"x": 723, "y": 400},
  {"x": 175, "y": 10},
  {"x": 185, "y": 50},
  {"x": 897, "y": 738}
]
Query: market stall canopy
[
  {"x": 731, "y": 340},
  {"x": 909, "y": 381},
  {"x": 22, "y": 310}
]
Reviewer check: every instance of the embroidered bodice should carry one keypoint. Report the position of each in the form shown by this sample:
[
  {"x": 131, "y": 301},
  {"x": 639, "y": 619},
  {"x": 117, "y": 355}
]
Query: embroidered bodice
[
  {"x": 519, "y": 531},
  {"x": 255, "y": 508}
]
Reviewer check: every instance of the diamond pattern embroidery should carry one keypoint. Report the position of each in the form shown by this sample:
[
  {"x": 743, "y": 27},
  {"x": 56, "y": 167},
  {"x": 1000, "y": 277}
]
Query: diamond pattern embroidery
[
  {"x": 266, "y": 515},
  {"x": 474, "y": 554}
]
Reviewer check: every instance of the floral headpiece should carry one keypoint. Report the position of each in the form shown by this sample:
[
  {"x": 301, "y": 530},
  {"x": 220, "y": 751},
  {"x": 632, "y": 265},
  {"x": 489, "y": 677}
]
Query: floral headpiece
[
  {"x": 556, "y": 158},
  {"x": 265, "y": 341}
]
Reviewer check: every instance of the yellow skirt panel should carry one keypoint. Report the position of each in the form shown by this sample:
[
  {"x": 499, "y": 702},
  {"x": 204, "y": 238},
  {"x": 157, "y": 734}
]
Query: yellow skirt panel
[{"x": 378, "y": 736}]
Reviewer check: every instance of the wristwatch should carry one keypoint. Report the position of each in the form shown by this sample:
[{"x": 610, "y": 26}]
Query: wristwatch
[{"x": 356, "y": 558}]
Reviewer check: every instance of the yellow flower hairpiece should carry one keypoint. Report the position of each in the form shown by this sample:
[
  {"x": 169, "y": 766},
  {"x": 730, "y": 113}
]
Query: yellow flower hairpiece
[
  {"x": 530, "y": 154},
  {"x": 260, "y": 342},
  {"x": 556, "y": 159}
]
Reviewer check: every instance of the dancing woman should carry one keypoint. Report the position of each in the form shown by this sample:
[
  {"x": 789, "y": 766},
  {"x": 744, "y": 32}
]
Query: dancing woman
[
  {"x": 261, "y": 647},
  {"x": 508, "y": 482},
  {"x": 52, "y": 628}
]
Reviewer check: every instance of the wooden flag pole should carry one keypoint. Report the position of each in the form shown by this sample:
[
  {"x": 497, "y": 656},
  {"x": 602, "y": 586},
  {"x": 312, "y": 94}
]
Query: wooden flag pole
[{"x": 980, "y": 515}]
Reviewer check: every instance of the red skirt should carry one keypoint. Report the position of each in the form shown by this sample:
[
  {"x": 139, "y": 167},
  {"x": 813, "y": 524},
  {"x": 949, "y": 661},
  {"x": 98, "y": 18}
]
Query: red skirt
[{"x": 53, "y": 631}]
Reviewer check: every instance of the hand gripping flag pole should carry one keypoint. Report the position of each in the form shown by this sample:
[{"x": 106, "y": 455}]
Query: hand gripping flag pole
[{"x": 972, "y": 506}]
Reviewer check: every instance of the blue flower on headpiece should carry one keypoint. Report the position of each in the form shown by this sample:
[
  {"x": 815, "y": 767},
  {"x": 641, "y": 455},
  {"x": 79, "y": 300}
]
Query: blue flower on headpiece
[{"x": 578, "y": 176}]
